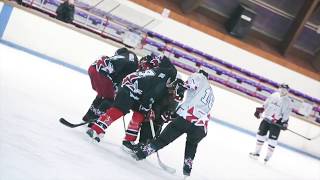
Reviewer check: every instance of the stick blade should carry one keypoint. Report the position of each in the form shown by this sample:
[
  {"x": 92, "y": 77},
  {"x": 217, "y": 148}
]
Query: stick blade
[
  {"x": 67, "y": 123},
  {"x": 166, "y": 168}
]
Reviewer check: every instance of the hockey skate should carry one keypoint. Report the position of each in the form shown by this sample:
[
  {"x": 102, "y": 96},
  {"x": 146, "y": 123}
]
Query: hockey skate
[
  {"x": 129, "y": 147},
  {"x": 187, "y": 166},
  {"x": 254, "y": 155},
  {"x": 265, "y": 160},
  {"x": 97, "y": 130},
  {"x": 92, "y": 134}
]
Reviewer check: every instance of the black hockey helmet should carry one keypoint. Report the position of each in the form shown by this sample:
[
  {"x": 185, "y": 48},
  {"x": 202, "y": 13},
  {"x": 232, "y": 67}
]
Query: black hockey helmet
[
  {"x": 201, "y": 71},
  {"x": 284, "y": 86},
  {"x": 165, "y": 62},
  {"x": 149, "y": 61},
  {"x": 123, "y": 50}
]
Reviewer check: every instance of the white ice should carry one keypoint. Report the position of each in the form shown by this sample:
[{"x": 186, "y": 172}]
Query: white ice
[{"x": 35, "y": 93}]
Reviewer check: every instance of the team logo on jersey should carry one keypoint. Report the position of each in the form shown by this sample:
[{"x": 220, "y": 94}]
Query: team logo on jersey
[
  {"x": 99, "y": 64},
  {"x": 131, "y": 82},
  {"x": 108, "y": 68},
  {"x": 195, "y": 120},
  {"x": 161, "y": 75}
]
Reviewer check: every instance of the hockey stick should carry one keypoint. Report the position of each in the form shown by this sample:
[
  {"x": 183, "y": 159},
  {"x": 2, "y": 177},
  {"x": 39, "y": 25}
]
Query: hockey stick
[
  {"x": 124, "y": 124},
  {"x": 299, "y": 135},
  {"x": 71, "y": 125},
  {"x": 161, "y": 164},
  {"x": 293, "y": 132}
]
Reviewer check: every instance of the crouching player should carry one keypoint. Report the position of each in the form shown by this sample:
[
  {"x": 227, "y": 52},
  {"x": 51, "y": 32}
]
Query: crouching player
[{"x": 192, "y": 119}]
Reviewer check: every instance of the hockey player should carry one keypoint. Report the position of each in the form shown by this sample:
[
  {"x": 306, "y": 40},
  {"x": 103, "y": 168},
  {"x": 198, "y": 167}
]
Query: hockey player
[
  {"x": 105, "y": 74},
  {"x": 162, "y": 112},
  {"x": 275, "y": 115},
  {"x": 192, "y": 119},
  {"x": 139, "y": 90}
]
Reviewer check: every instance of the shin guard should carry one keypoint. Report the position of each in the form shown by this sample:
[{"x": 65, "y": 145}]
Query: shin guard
[{"x": 134, "y": 126}]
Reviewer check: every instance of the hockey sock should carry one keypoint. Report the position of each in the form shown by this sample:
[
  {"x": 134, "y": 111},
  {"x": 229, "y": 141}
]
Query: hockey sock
[
  {"x": 134, "y": 126},
  {"x": 99, "y": 127},
  {"x": 271, "y": 145},
  {"x": 259, "y": 144},
  {"x": 106, "y": 119},
  {"x": 111, "y": 115}
]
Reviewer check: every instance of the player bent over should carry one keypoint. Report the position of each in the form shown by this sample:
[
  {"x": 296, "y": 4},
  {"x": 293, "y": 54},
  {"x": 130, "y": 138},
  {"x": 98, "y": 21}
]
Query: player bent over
[
  {"x": 162, "y": 112},
  {"x": 275, "y": 115},
  {"x": 138, "y": 89},
  {"x": 192, "y": 119},
  {"x": 105, "y": 74}
]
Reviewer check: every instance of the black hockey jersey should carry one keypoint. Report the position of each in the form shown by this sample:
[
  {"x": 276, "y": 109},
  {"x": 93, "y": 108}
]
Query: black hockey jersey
[
  {"x": 117, "y": 66},
  {"x": 150, "y": 85}
]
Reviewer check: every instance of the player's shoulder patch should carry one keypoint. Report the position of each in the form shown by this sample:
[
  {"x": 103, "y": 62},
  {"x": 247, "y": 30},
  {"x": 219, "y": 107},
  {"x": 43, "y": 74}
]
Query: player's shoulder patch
[
  {"x": 161, "y": 75},
  {"x": 131, "y": 57}
]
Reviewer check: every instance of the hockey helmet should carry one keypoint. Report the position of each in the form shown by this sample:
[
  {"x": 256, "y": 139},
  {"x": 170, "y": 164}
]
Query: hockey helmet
[
  {"x": 121, "y": 51},
  {"x": 284, "y": 86},
  {"x": 201, "y": 71},
  {"x": 149, "y": 62}
]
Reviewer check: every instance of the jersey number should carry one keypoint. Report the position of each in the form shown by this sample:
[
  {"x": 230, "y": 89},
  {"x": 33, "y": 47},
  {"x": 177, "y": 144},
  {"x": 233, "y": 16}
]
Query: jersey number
[{"x": 207, "y": 99}]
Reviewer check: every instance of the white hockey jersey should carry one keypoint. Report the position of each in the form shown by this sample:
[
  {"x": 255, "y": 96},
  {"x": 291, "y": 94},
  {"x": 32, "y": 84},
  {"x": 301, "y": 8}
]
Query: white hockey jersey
[
  {"x": 277, "y": 107},
  {"x": 199, "y": 100}
]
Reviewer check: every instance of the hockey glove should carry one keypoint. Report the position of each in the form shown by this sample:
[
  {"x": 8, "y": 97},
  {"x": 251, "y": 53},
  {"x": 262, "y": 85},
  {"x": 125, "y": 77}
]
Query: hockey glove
[
  {"x": 146, "y": 106},
  {"x": 283, "y": 125},
  {"x": 258, "y": 112},
  {"x": 180, "y": 88},
  {"x": 144, "y": 109},
  {"x": 179, "y": 96}
]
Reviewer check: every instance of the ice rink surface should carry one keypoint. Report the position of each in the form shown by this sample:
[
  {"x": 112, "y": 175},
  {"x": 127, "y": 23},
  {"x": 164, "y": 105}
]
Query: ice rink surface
[{"x": 35, "y": 93}]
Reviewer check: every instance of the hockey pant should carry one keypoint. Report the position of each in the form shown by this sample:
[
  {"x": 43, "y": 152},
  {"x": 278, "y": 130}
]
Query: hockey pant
[
  {"x": 101, "y": 84},
  {"x": 175, "y": 129},
  {"x": 97, "y": 108},
  {"x": 265, "y": 126},
  {"x": 274, "y": 132},
  {"x": 145, "y": 132}
]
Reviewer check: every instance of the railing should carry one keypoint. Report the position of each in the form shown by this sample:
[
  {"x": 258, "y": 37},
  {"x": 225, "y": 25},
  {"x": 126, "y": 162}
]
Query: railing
[{"x": 109, "y": 26}]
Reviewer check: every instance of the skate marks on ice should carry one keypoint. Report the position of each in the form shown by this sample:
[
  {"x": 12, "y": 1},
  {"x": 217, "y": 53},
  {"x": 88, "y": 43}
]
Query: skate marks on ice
[{"x": 112, "y": 152}]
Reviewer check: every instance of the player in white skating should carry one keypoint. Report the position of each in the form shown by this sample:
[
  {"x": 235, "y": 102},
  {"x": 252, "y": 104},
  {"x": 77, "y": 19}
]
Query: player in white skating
[
  {"x": 192, "y": 119},
  {"x": 275, "y": 115}
]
